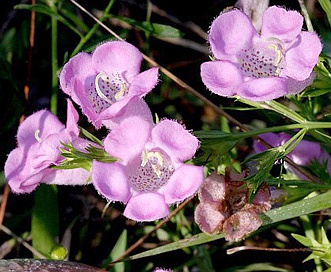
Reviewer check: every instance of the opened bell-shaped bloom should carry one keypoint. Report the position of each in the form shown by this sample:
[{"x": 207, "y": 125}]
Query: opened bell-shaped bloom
[
  {"x": 303, "y": 154},
  {"x": 150, "y": 174},
  {"x": 107, "y": 83},
  {"x": 224, "y": 206},
  {"x": 39, "y": 139},
  {"x": 260, "y": 67}
]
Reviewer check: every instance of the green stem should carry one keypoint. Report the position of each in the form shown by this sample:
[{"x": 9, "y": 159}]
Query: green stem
[
  {"x": 242, "y": 135},
  {"x": 284, "y": 110},
  {"x": 291, "y": 114},
  {"x": 93, "y": 29},
  {"x": 277, "y": 107},
  {"x": 55, "y": 66},
  {"x": 293, "y": 142}
]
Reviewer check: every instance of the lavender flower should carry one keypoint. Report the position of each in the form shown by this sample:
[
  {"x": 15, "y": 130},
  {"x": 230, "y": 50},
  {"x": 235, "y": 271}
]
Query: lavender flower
[
  {"x": 151, "y": 173},
  {"x": 260, "y": 67},
  {"x": 39, "y": 138},
  {"x": 107, "y": 83}
]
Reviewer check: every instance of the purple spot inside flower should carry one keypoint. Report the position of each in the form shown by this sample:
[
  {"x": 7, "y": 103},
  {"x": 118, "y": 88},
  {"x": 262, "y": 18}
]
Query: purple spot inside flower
[
  {"x": 105, "y": 90},
  {"x": 154, "y": 171},
  {"x": 262, "y": 61}
]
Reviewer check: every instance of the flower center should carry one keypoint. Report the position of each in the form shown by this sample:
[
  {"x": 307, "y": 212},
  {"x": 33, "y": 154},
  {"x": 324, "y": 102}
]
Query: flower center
[
  {"x": 153, "y": 172},
  {"x": 265, "y": 60},
  {"x": 106, "y": 90}
]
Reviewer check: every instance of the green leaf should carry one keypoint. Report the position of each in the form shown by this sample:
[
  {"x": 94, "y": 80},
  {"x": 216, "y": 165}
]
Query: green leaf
[
  {"x": 75, "y": 19},
  {"x": 117, "y": 251},
  {"x": 197, "y": 239},
  {"x": 302, "y": 207},
  {"x": 203, "y": 259},
  {"x": 2, "y": 179},
  {"x": 159, "y": 30},
  {"x": 85, "y": 133},
  {"x": 50, "y": 12},
  {"x": 265, "y": 161},
  {"x": 303, "y": 240},
  {"x": 45, "y": 219},
  {"x": 326, "y": 5}
]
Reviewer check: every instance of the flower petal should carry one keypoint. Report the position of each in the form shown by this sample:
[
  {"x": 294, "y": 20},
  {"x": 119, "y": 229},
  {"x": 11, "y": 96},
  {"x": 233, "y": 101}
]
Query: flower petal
[
  {"x": 144, "y": 82},
  {"x": 111, "y": 181},
  {"x": 146, "y": 207},
  {"x": 117, "y": 56},
  {"x": 263, "y": 89},
  {"x": 241, "y": 224},
  {"x": 128, "y": 140},
  {"x": 20, "y": 173},
  {"x": 221, "y": 77},
  {"x": 72, "y": 119},
  {"x": 281, "y": 24},
  {"x": 172, "y": 138},
  {"x": 302, "y": 56},
  {"x": 295, "y": 86},
  {"x": 183, "y": 183},
  {"x": 74, "y": 74},
  {"x": 213, "y": 189},
  {"x": 135, "y": 107},
  {"x": 37, "y": 127},
  {"x": 76, "y": 176},
  {"x": 231, "y": 32},
  {"x": 208, "y": 219}
]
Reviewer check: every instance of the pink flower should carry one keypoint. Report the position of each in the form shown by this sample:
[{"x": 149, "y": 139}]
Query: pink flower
[
  {"x": 39, "y": 140},
  {"x": 107, "y": 81},
  {"x": 151, "y": 173},
  {"x": 303, "y": 154},
  {"x": 224, "y": 206},
  {"x": 162, "y": 270},
  {"x": 262, "y": 67}
]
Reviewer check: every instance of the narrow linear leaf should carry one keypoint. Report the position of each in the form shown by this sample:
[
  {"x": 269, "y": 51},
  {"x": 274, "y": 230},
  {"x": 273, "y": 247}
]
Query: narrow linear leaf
[
  {"x": 117, "y": 251},
  {"x": 159, "y": 30},
  {"x": 48, "y": 11},
  {"x": 302, "y": 207},
  {"x": 197, "y": 239},
  {"x": 90, "y": 136},
  {"x": 266, "y": 161},
  {"x": 326, "y": 6},
  {"x": 203, "y": 259}
]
